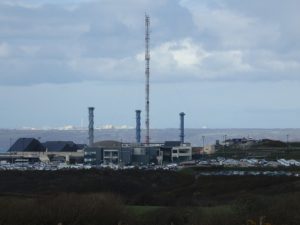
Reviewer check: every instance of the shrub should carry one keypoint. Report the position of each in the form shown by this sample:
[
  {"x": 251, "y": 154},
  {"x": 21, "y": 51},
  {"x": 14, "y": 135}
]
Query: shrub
[{"x": 67, "y": 209}]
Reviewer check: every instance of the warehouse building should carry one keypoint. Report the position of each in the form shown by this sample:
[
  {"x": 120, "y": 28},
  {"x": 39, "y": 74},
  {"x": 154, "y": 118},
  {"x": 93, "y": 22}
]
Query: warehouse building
[
  {"x": 32, "y": 150},
  {"x": 60, "y": 146},
  {"x": 27, "y": 145}
]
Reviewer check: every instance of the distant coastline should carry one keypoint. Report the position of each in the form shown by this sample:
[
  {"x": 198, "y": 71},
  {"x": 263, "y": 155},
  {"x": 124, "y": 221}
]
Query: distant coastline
[{"x": 192, "y": 135}]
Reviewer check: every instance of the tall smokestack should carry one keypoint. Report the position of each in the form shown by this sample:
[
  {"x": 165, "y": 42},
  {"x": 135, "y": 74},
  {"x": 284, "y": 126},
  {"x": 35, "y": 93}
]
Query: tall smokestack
[
  {"x": 138, "y": 126},
  {"x": 91, "y": 126},
  {"x": 182, "y": 114}
]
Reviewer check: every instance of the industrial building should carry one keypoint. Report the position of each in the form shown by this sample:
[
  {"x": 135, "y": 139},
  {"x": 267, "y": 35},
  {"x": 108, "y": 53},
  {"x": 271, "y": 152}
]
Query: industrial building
[
  {"x": 61, "y": 146},
  {"x": 109, "y": 152},
  {"x": 27, "y": 145},
  {"x": 32, "y": 150},
  {"x": 106, "y": 152},
  {"x": 101, "y": 153},
  {"x": 93, "y": 156},
  {"x": 181, "y": 153},
  {"x": 113, "y": 152},
  {"x": 209, "y": 149}
]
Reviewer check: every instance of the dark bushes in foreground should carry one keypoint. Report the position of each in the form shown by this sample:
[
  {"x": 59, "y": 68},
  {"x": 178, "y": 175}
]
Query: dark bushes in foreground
[
  {"x": 67, "y": 209},
  {"x": 137, "y": 187},
  {"x": 148, "y": 198},
  {"x": 276, "y": 210},
  {"x": 107, "y": 209}
]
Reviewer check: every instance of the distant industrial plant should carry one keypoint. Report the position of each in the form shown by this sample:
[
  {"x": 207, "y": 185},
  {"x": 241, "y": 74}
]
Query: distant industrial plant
[
  {"x": 139, "y": 153},
  {"x": 109, "y": 151}
]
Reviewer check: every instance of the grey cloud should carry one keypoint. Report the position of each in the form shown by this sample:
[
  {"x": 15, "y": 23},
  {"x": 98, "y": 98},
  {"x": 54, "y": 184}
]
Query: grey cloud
[
  {"x": 232, "y": 29},
  {"x": 56, "y": 42},
  {"x": 28, "y": 72},
  {"x": 269, "y": 17}
]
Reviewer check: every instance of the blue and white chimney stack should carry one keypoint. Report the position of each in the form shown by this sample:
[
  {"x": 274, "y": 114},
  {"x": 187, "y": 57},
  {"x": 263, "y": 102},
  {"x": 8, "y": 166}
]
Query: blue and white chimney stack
[
  {"x": 182, "y": 114},
  {"x": 91, "y": 126},
  {"x": 138, "y": 126}
]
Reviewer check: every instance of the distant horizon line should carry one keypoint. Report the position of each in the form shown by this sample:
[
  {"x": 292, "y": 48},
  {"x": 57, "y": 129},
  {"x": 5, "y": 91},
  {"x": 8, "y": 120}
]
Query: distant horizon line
[{"x": 167, "y": 128}]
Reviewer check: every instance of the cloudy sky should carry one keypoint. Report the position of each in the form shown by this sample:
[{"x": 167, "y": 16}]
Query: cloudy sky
[{"x": 225, "y": 63}]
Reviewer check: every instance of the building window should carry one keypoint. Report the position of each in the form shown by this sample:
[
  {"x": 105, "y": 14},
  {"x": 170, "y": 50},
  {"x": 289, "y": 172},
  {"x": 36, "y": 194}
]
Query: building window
[
  {"x": 90, "y": 153},
  {"x": 183, "y": 151}
]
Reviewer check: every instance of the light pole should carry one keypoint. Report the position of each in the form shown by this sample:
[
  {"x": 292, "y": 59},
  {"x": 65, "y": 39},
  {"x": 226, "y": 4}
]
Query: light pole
[
  {"x": 287, "y": 143},
  {"x": 223, "y": 146},
  {"x": 10, "y": 144},
  {"x": 39, "y": 139},
  {"x": 203, "y": 141}
]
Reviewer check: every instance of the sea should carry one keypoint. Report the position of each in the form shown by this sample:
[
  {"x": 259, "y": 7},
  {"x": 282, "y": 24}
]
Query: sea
[{"x": 197, "y": 137}]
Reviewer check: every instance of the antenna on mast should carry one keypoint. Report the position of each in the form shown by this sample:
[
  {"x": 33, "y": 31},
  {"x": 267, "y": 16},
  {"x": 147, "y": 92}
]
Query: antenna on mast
[{"x": 147, "y": 73}]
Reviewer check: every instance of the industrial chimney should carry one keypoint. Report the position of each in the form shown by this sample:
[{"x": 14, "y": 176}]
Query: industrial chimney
[
  {"x": 138, "y": 126},
  {"x": 91, "y": 126},
  {"x": 182, "y": 114}
]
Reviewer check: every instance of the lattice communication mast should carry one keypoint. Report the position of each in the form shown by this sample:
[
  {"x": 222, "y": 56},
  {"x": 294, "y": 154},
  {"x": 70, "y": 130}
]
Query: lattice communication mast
[{"x": 147, "y": 73}]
